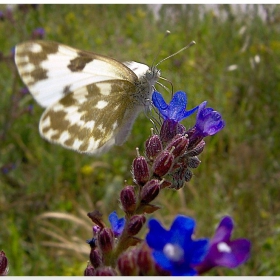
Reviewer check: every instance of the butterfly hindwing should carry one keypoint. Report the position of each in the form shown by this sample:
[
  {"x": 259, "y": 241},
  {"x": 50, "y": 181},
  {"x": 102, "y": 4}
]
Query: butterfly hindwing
[{"x": 87, "y": 120}]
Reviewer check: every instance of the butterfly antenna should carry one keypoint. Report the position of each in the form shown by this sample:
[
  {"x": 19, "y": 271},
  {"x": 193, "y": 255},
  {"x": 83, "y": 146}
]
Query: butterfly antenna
[
  {"x": 167, "y": 32},
  {"x": 184, "y": 48}
]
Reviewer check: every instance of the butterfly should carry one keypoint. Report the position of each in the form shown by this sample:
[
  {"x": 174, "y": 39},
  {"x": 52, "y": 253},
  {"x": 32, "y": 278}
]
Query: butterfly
[{"x": 91, "y": 100}]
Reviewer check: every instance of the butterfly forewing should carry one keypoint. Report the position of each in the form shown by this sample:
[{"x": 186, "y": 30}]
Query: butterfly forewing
[
  {"x": 51, "y": 70},
  {"x": 92, "y": 100}
]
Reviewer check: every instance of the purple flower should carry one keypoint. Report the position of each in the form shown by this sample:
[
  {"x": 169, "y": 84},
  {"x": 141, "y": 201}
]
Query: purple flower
[
  {"x": 223, "y": 251},
  {"x": 174, "y": 250},
  {"x": 176, "y": 110},
  {"x": 117, "y": 224},
  {"x": 208, "y": 121}
]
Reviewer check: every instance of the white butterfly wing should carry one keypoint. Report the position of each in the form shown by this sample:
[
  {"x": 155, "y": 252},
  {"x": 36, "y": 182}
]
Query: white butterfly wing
[
  {"x": 51, "y": 70},
  {"x": 92, "y": 100},
  {"x": 90, "y": 122}
]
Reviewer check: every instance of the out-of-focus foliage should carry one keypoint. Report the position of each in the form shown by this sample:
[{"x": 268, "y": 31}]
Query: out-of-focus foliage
[{"x": 234, "y": 66}]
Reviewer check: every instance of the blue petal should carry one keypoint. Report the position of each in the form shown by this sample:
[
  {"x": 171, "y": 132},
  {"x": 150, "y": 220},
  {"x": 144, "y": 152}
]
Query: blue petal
[
  {"x": 162, "y": 260},
  {"x": 117, "y": 224},
  {"x": 185, "y": 225},
  {"x": 156, "y": 231},
  {"x": 200, "y": 248},
  {"x": 177, "y": 106},
  {"x": 159, "y": 103}
]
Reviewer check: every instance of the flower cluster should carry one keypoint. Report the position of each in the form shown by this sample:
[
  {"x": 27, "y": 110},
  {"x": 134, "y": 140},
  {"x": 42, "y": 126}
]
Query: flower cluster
[{"x": 168, "y": 159}]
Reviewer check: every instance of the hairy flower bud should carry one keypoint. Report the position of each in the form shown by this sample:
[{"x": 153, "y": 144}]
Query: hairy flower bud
[
  {"x": 193, "y": 162},
  {"x": 188, "y": 175},
  {"x": 105, "y": 240},
  {"x": 89, "y": 271},
  {"x": 145, "y": 260},
  {"x": 150, "y": 191},
  {"x": 153, "y": 147},
  {"x": 127, "y": 263},
  {"x": 163, "y": 162},
  {"x": 105, "y": 271},
  {"x": 180, "y": 143},
  {"x": 198, "y": 149},
  {"x": 3, "y": 264},
  {"x": 140, "y": 170},
  {"x": 95, "y": 257},
  {"x": 169, "y": 129},
  {"x": 128, "y": 199},
  {"x": 135, "y": 224}
]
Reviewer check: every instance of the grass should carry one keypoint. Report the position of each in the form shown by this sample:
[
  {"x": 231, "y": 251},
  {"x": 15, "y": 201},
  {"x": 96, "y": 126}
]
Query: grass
[{"x": 239, "y": 174}]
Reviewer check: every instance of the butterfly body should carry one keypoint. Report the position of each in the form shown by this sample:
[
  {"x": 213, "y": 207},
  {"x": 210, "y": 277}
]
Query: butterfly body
[{"x": 91, "y": 100}]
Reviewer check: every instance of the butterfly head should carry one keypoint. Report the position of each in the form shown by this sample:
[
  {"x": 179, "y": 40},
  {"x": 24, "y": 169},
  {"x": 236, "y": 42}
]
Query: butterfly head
[{"x": 152, "y": 75}]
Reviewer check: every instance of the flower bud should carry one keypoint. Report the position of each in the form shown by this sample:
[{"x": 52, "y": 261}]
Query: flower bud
[
  {"x": 135, "y": 224},
  {"x": 150, "y": 191},
  {"x": 180, "y": 143},
  {"x": 3, "y": 264},
  {"x": 188, "y": 175},
  {"x": 95, "y": 257},
  {"x": 163, "y": 162},
  {"x": 89, "y": 271},
  {"x": 145, "y": 260},
  {"x": 193, "y": 162},
  {"x": 198, "y": 149},
  {"x": 105, "y": 240},
  {"x": 153, "y": 146},
  {"x": 128, "y": 199},
  {"x": 105, "y": 271},
  {"x": 127, "y": 263},
  {"x": 169, "y": 129},
  {"x": 140, "y": 170}
]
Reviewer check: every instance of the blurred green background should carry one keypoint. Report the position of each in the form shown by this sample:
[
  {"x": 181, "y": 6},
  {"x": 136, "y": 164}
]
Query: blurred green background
[{"x": 46, "y": 190}]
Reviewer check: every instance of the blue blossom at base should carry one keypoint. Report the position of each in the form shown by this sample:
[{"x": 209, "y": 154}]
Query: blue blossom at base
[
  {"x": 117, "y": 224},
  {"x": 174, "y": 250},
  {"x": 223, "y": 251},
  {"x": 176, "y": 110}
]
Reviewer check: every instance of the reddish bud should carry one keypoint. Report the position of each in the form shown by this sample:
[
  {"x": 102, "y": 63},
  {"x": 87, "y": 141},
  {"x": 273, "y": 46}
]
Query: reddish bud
[
  {"x": 145, "y": 260},
  {"x": 96, "y": 217},
  {"x": 180, "y": 143},
  {"x": 163, "y": 163},
  {"x": 95, "y": 257},
  {"x": 140, "y": 170},
  {"x": 106, "y": 240},
  {"x": 169, "y": 129},
  {"x": 153, "y": 146},
  {"x": 135, "y": 224},
  {"x": 89, "y": 271},
  {"x": 3, "y": 264},
  {"x": 127, "y": 263},
  {"x": 197, "y": 150},
  {"x": 105, "y": 271},
  {"x": 150, "y": 191},
  {"x": 128, "y": 199}
]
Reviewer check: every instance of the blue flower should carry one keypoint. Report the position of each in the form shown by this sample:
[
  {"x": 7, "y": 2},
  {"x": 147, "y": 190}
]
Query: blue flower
[
  {"x": 208, "y": 121},
  {"x": 117, "y": 224},
  {"x": 174, "y": 250},
  {"x": 176, "y": 110},
  {"x": 223, "y": 251}
]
